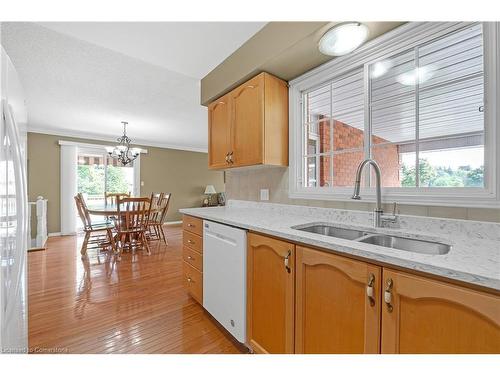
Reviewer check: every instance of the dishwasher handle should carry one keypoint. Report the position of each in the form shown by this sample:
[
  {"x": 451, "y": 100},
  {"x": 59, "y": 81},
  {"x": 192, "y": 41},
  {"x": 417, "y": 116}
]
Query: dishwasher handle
[{"x": 220, "y": 237}]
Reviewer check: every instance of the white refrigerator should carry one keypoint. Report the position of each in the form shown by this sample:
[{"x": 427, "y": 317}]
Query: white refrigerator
[{"x": 13, "y": 212}]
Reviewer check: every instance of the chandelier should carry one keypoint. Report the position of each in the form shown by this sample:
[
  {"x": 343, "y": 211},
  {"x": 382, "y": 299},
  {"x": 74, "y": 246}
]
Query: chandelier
[{"x": 122, "y": 150}]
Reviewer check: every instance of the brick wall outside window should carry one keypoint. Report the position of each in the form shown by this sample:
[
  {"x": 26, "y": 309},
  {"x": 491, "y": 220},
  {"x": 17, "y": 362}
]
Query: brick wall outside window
[{"x": 347, "y": 137}]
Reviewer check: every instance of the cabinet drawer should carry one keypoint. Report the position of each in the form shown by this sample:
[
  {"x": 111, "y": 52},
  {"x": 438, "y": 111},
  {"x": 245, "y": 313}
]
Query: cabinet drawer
[
  {"x": 193, "y": 258},
  {"x": 192, "y": 241},
  {"x": 192, "y": 224},
  {"x": 193, "y": 282}
]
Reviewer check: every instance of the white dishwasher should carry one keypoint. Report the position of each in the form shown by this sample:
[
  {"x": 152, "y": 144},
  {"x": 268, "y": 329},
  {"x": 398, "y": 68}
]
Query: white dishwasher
[{"x": 224, "y": 276}]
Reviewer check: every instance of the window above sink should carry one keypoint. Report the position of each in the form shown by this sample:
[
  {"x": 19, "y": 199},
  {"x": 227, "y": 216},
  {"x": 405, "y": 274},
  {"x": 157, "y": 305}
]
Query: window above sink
[{"x": 417, "y": 100}]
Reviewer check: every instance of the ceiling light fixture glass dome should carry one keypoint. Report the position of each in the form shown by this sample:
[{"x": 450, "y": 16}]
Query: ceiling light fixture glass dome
[
  {"x": 343, "y": 38},
  {"x": 380, "y": 68},
  {"x": 418, "y": 75}
]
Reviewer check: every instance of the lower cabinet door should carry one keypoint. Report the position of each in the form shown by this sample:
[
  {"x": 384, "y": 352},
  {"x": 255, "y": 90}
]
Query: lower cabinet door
[
  {"x": 421, "y": 315},
  {"x": 193, "y": 282},
  {"x": 337, "y": 304},
  {"x": 270, "y": 294}
]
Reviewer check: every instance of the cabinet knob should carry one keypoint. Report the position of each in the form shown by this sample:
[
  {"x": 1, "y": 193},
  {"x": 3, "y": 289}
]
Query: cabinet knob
[
  {"x": 388, "y": 294},
  {"x": 191, "y": 242},
  {"x": 190, "y": 280},
  {"x": 190, "y": 225},
  {"x": 370, "y": 290},
  {"x": 287, "y": 261},
  {"x": 190, "y": 257}
]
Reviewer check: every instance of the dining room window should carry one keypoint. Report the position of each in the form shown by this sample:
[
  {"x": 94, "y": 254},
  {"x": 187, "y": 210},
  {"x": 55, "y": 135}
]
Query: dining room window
[
  {"x": 99, "y": 174},
  {"x": 419, "y": 108},
  {"x": 87, "y": 169}
]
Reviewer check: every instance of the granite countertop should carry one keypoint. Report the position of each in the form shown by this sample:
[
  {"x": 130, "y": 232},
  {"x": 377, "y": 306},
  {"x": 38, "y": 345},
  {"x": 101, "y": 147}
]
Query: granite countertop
[{"x": 474, "y": 257}]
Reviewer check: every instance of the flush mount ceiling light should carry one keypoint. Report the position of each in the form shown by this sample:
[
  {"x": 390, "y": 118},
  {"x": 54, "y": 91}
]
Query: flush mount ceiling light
[{"x": 343, "y": 38}]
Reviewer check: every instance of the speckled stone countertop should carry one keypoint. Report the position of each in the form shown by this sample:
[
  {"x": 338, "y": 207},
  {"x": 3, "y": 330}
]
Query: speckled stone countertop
[{"x": 474, "y": 257}]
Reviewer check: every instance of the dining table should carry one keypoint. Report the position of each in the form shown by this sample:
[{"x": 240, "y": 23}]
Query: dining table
[
  {"x": 108, "y": 209},
  {"x": 103, "y": 209},
  {"x": 111, "y": 210}
]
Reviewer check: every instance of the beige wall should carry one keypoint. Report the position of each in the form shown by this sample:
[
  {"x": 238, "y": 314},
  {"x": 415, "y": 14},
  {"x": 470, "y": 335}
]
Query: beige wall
[
  {"x": 183, "y": 173},
  {"x": 245, "y": 184}
]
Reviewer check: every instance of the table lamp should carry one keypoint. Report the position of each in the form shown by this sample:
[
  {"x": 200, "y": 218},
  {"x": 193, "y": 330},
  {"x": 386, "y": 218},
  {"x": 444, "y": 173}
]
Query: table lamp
[{"x": 209, "y": 192}]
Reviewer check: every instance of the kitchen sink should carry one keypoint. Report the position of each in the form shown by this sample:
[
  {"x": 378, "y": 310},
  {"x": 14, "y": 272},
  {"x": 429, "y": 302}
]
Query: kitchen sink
[
  {"x": 407, "y": 244},
  {"x": 385, "y": 240},
  {"x": 328, "y": 230}
]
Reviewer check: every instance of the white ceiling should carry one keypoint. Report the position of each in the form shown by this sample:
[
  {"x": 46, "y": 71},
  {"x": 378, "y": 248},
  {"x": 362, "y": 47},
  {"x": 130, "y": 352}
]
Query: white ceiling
[
  {"x": 190, "y": 48},
  {"x": 82, "y": 79}
]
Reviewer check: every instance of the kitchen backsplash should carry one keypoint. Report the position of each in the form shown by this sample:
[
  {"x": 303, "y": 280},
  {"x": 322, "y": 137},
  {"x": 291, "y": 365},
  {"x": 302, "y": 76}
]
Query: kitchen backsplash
[{"x": 245, "y": 184}]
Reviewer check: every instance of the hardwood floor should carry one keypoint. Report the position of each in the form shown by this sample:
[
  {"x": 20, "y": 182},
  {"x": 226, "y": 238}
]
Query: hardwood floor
[{"x": 136, "y": 305}]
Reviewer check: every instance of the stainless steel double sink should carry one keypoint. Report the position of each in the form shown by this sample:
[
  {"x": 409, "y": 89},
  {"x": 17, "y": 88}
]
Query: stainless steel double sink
[{"x": 385, "y": 240}]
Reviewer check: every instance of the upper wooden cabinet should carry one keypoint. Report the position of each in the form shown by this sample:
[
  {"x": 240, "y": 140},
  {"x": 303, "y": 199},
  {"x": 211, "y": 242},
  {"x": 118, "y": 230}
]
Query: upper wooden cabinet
[
  {"x": 420, "y": 315},
  {"x": 270, "y": 295},
  {"x": 219, "y": 122},
  {"x": 337, "y": 304},
  {"x": 249, "y": 125},
  {"x": 247, "y": 137}
]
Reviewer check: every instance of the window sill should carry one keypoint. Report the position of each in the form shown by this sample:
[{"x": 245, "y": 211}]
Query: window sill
[{"x": 477, "y": 198}]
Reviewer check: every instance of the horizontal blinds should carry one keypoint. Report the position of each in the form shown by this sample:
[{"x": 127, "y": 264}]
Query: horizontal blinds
[
  {"x": 450, "y": 96},
  {"x": 317, "y": 104},
  {"x": 343, "y": 98},
  {"x": 450, "y": 101},
  {"x": 392, "y": 103},
  {"x": 348, "y": 99}
]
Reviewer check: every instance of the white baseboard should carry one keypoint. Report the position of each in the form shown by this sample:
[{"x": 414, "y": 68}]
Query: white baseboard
[
  {"x": 173, "y": 222},
  {"x": 54, "y": 234}
]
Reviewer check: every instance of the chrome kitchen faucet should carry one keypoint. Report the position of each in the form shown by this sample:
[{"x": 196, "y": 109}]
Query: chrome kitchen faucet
[{"x": 378, "y": 213}]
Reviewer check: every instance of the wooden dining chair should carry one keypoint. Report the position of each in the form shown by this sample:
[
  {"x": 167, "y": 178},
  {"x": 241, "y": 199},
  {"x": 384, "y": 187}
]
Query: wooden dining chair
[
  {"x": 93, "y": 231},
  {"x": 155, "y": 225},
  {"x": 155, "y": 201},
  {"x": 112, "y": 198},
  {"x": 154, "y": 214},
  {"x": 131, "y": 225}
]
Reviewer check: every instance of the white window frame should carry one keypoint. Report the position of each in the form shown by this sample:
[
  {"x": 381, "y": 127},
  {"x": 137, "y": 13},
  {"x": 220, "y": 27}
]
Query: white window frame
[{"x": 396, "y": 41}]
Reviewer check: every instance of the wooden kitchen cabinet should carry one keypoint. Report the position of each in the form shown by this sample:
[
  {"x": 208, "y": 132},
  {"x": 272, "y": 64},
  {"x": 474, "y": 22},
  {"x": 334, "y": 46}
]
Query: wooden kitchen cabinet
[
  {"x": 248, "y": 122},
  {"x": 193, "y": 241},
  {"x": 270, "y": 294},
  {"x": 249, "y": 125},
  {"x": 337, "y": 304},
  {"x": 192, "y": 224},
  {"x": 219, "y": 132},
  {"x": 192, "y": 256},
  {"x": 421, "y": 315},
  {"x": 309, "y": 300},
  {"x": 193, "y": 282}
]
